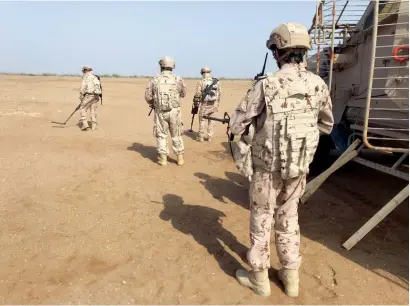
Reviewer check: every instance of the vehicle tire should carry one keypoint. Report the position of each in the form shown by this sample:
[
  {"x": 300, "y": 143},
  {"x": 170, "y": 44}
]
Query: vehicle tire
[{"x": 321, "y": 160}]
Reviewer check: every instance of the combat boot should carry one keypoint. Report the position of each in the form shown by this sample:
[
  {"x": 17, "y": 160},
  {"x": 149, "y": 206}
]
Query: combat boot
[
  {"x": 84, "y": 125},
  {"x": 180, "y": 159},
  {"x": 93, "y": 126},
  {"x": 162, "y": 159},
  {"x": 290, "y": 280},
  {"x": 209, "y": 139},
  {"x": 201, "y": 139},
  {"x": 257, "y": 281}
]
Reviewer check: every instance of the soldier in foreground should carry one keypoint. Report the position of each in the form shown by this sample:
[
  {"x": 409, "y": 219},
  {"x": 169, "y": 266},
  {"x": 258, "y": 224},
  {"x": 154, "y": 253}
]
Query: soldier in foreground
[
  {"x": 163, "y": 95},
  {"x": 287, "y": 110},
  {"x": 90, "y": 93},
  {"x": 207, "y": 97}
]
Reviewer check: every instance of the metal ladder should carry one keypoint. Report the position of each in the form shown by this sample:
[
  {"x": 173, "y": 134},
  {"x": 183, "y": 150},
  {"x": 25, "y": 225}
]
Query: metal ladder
[
  {"x": 332, "y": 25},
  {"x": 388, "y": 81}
]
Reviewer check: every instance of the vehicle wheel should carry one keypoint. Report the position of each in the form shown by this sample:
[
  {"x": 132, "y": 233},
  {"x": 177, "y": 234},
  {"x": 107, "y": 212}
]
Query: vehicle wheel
[{"x": 321, "y": 160}]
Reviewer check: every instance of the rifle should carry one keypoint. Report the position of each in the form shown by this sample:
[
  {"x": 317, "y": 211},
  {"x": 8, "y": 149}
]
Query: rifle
[
  {"x": 64, "y": 123},
  {"x": 195, "y": 108},
  {"x": 194, "y": 111},
  {"x": 226, "y": 117},
  {"x": 100, "y": 95},
  {"x": 208, "y": 88},
  {"x": 262, "y": 73},
  {"x": 152, "y": 108},
  {"x": 224, "y": 120}
]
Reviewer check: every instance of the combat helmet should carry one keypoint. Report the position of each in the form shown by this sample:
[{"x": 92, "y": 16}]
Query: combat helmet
[
  {"x": 289, "y": 35},
  {"x": 205, "y": 69},
  {"x": 86, "y": 67},
  {"x": 167, "y": 62}
]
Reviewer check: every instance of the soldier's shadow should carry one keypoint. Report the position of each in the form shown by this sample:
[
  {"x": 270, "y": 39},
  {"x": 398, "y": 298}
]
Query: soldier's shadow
[
  {"x": 193, "y": 135},
  {"x": 235, "y": 188},
  {"x": 204, "y": 224},
  {"x": 148, "y": 152}
]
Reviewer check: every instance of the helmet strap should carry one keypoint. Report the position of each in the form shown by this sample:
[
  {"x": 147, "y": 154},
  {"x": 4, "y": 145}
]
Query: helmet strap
[{"x": 279, "y": 58}]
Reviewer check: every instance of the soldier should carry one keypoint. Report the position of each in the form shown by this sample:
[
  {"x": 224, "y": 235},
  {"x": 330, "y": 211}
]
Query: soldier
[
  {"x": 208, "y": 104},
  {"x": 90, "y": 92},
  {"x": 288, "y": 110},
  {"x": 163, "y": 94}
]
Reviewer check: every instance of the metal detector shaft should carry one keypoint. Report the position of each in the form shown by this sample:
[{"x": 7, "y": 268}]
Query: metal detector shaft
[{"x": 77, "y": 108}]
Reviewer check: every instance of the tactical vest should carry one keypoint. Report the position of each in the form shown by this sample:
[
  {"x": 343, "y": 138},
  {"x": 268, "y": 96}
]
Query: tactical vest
[
  {"x": 212, "y": 95},
  {"x": 93, "y": 84},
  {"x": 166, "y": 95},
  {"x": 288, "y": 140}
]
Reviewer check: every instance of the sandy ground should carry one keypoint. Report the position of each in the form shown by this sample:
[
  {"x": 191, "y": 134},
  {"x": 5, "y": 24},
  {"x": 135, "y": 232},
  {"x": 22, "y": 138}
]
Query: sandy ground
[{"x": 89, "y": 217}]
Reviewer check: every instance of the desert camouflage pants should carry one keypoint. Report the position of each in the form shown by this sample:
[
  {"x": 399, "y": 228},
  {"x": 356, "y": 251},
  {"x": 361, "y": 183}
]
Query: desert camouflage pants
[
  {"x": 89, "y": 102},
  {"x": 273, "y": 198},
  {"x": 203, "y": 126},
  {"x": 169, "y": 121},
  {"x": 207, "y": 109}
]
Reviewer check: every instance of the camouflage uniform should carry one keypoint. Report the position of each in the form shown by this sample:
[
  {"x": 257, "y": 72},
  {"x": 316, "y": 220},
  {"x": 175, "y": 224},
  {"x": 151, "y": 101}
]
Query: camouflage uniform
[
  {"x": 89, "y": 96},
  {"x": 279, "y": 178},
  {"x": 208, "y": 106},
  {"x": 283, "y": 113},
  {"x": 169, "y": 119}
]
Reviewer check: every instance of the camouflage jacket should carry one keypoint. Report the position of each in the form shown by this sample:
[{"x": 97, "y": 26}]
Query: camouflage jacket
[
  {"x": 150, "y": 91},
  {"x": 201, "y": 85},
  {"x": 88, "y": 84},
  {"x": 288, "y": 109}
]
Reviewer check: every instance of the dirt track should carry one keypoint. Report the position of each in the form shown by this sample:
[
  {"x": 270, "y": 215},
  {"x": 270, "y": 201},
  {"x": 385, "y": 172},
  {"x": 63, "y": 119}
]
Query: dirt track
[{"x": 89, "y": 217}]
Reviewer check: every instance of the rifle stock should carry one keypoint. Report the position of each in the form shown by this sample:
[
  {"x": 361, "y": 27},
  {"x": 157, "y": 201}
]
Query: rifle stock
[{"x": 223, "y": 120}]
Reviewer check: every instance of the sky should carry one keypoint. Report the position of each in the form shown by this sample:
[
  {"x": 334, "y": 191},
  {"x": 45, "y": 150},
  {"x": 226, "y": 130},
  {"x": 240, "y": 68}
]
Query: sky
[{"x": 129, "y": 38}]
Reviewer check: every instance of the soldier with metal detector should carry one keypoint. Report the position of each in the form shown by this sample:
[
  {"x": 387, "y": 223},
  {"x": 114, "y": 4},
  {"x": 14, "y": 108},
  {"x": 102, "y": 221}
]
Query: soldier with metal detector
[
  {"x": 90, "y": 93},
  {"x": 280, "y": 118},
  {"x": 206, "y": 98}
]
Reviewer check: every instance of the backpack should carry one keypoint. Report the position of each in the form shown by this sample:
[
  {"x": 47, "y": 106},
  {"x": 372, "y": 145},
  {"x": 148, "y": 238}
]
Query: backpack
[{"x": 97, "y": 89}]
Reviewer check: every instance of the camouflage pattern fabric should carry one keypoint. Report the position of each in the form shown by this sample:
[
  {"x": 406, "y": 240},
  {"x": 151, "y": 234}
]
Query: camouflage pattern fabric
[
  {"x": 206, "y": 107},
  {"x": 167, "y": 121},
  {"x": 242, "y": 154},
  {"x": 89, "y": 97},
  {"x": 151, "y": 90},
  {"x": 288, "y": 110},
  {"x": 272, "y": 197},
  {"x": 89, "y": 102},
  {"x": 90, "y": 84}
]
